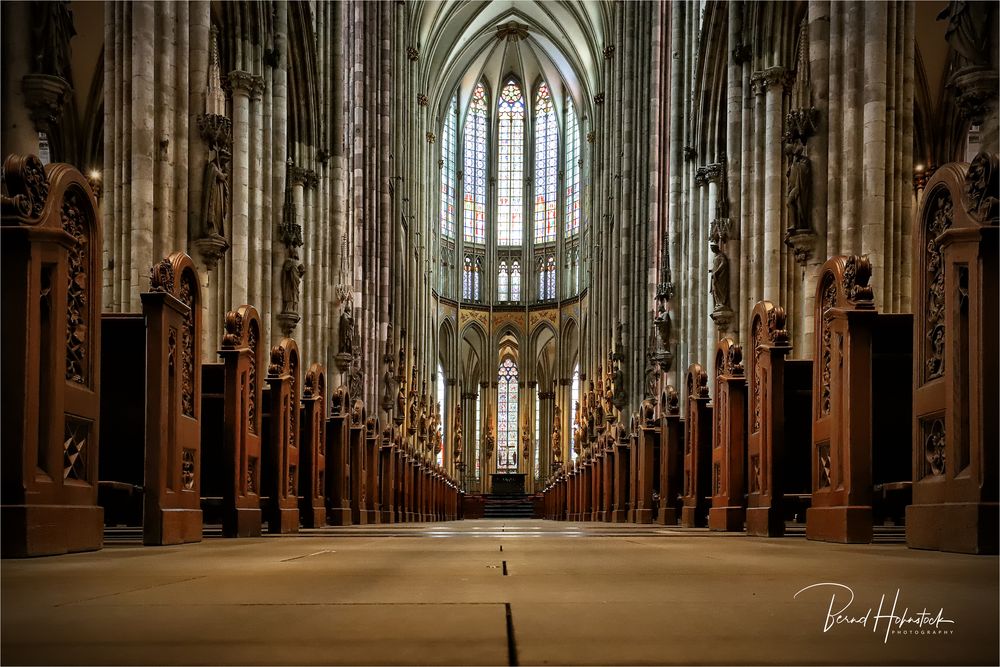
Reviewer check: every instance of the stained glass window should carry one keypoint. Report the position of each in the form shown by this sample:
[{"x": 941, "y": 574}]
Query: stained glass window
[
  {"x": 477, "y": 269},
  {"x": 541, "y": 278},
  {"x": 478, "y": 429},
  {"x": 574, "y": 399},
  {"x": 550, "y": 280},
  {"x": 448, "y": 145},
  {"x": 510, "y": 170},
  {"x": 507, "y": 417},
  {"x": 538, "y": 433},
  {"x": 546, "y": 278},
  {"x": 471, "y": 269},
  {"x": 440, "y": 397},
  {"x": 571, "y": 170},
  {"x": 467, "y": 279},
  {"x": 503, "y": 283},
  {"x": 515, "y": 281},
  {"x": 474, "y": 174},
  {"x": 546, "y": 166}
]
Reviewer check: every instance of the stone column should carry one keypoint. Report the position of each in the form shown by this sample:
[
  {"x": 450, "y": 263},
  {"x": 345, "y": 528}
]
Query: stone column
[
  {"x": 873, "y": 164},
  {"x": 774, "y": 79},
  {"x": 244, "y": 84},
  {"x": 18, "y": 132}
]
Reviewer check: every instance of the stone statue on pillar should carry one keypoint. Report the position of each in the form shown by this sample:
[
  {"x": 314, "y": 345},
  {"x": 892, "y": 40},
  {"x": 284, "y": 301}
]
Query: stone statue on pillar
[
  {"x": 215, "y": 193},
  {"x": 291, "y": 276},
  {"x": 490, "y": 441},
  {"x": 346, "y": 329},
  {"x": 797, "y": 198}
]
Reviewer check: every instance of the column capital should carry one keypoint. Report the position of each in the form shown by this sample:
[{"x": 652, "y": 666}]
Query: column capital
[
  {"x": 251, "y": 84},
  {"x": 302, "y": 176},
  {"x": 762, "y": 80}
]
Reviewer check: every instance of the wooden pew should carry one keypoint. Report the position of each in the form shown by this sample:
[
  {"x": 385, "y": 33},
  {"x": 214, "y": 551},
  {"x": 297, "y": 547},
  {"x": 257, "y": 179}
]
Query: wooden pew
[
  {"x": 671, "y": 470},
  {"x": 697, "y": 449},
  {"x": 356, "y": 466},
  {"x": 622, "y": 476},
  {"x": 606, "y": 456},
  {"x": 51, "y": 372},
  {"x": 121, "y": 468},
  {"x": 955, "y": 393},
  {"x": 312, "y": 473},
  {"x": 338, "y": 490},
  {"x": 213, "y": 452},
  {"x": 779, "y": 425},
  {"x": 279, "y": 477},
  {"x": 373, "y": 442},
  {"x": 729, "y": 441},
  {"x": 152, "y": 381},
  {"x": 387, "y": 477},
  {"x": 861, "y": 358},
  {"x": 647, "y": 444},
  {"x": 231, "y": 427}
]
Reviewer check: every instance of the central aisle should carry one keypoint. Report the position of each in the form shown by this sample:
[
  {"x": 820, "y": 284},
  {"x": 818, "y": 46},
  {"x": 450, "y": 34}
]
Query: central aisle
[{"x": 487, "y": 592}]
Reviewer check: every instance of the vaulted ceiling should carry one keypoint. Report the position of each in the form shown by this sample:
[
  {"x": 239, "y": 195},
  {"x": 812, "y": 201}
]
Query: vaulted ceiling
[{"x": 462, "y": 42}]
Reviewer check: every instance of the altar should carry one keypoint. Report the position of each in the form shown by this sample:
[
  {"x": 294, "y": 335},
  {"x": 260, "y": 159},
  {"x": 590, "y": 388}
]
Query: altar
[{"x": 507, "y": 483}]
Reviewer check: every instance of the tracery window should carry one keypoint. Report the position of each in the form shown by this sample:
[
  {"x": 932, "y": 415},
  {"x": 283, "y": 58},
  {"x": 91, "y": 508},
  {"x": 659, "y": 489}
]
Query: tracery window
[
  {"x": 495, "y": 195},
  {"x": 448, "y": 164},
  {"x": 507, "y": 399},
  {"x": 546, "y": 278},
  {"x": 503, "y": 283},
  {"x": 471, "y": 270},
  {"x": 474, "y": 175},
  {"x": 546, "y": 166},
  {"x": 571, "y": 170},
  {"x": 510, "y": 169}
]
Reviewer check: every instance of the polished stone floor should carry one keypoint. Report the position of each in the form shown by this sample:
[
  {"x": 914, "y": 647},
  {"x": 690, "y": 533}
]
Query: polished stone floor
[{"x": 500, "y": 592}]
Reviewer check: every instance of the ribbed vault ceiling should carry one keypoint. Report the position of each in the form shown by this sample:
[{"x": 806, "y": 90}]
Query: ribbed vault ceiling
[{"x": 558, "y": 41}]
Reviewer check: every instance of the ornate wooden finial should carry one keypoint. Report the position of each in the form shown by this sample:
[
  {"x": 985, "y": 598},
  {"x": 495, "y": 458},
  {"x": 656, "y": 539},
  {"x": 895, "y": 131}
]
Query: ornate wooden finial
[{"x": 161, "y": 276}]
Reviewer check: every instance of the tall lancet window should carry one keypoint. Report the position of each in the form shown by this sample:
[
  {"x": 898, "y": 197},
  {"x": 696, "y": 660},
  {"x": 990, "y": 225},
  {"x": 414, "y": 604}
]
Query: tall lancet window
[
  {"x": 474, "y": 176},
  {"x": 449, "y": 143},
  {"x": 571, "y": 170},
  {"x": 515, "y": 281},
  {"x": 546, "y": 166},
  {"x": 441, "y": 420},
  {"x": 574, "y": 400},
  {"x": 510, "y": 170},
  {"x": 507, "y": 417}
]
